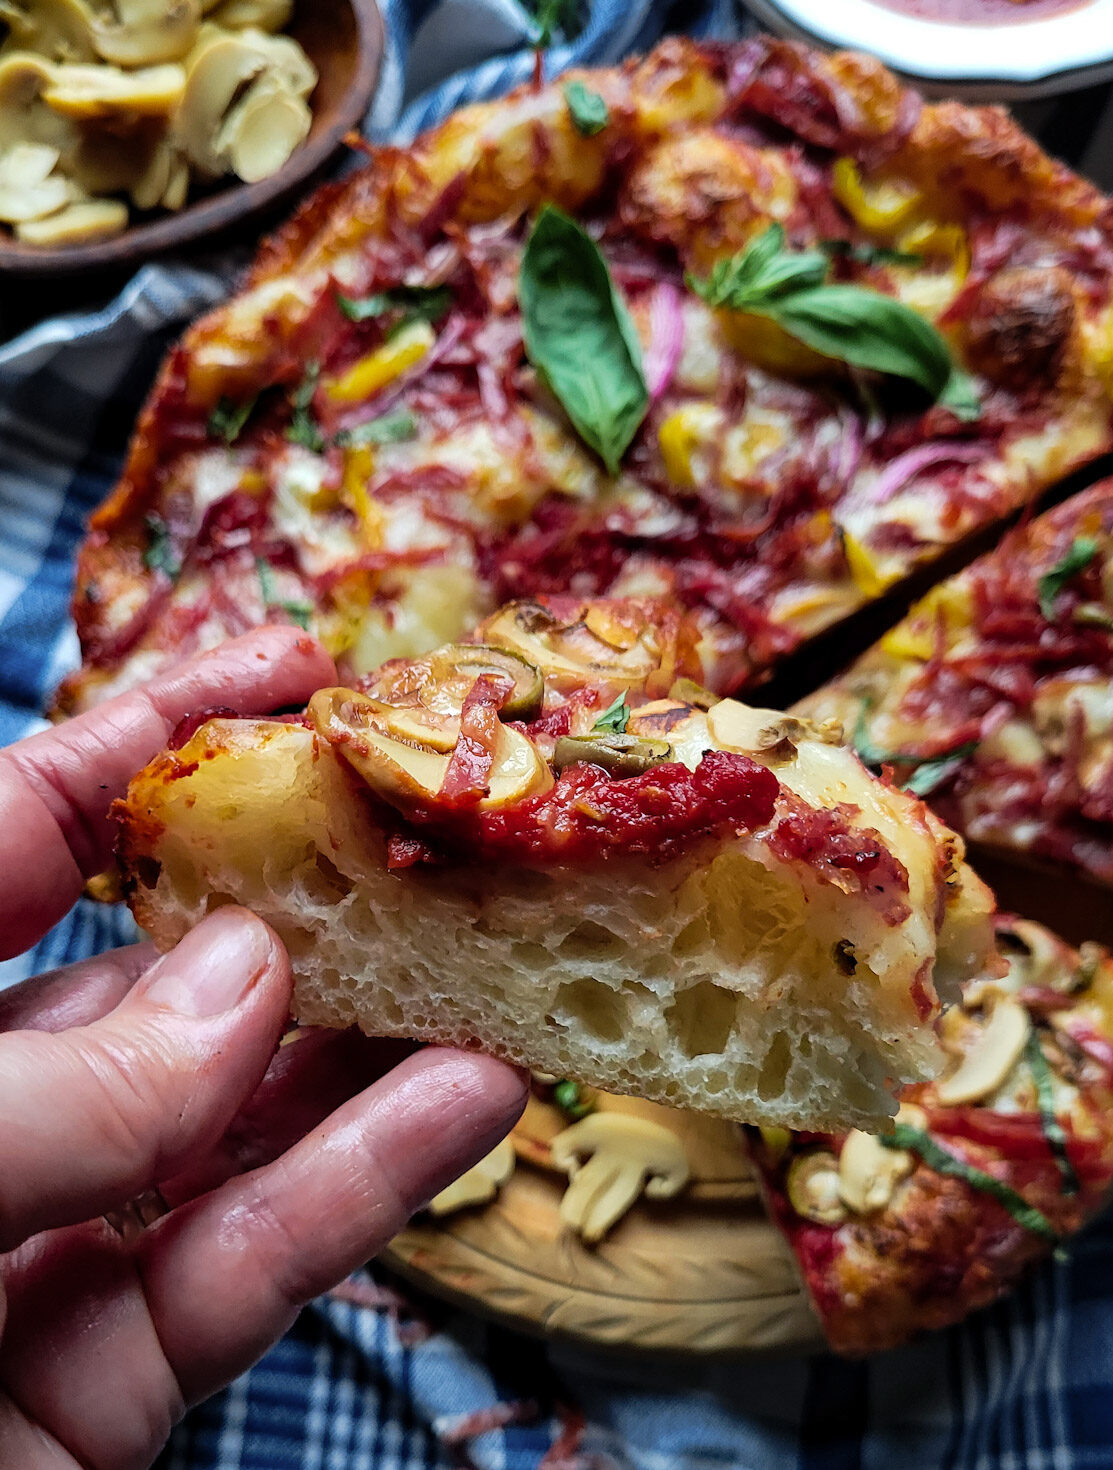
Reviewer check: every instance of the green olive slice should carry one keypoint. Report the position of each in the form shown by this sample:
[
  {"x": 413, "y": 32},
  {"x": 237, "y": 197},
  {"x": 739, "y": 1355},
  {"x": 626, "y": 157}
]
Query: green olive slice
[
  {"x": 687, "y": 691},
  {"x": 619, "y": 755},
  {"x": 525, "y": 699}
]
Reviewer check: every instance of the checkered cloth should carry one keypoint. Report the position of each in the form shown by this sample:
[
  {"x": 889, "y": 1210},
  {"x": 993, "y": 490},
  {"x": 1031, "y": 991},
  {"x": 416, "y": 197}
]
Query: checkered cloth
[{"x": 366, "y": 1380}]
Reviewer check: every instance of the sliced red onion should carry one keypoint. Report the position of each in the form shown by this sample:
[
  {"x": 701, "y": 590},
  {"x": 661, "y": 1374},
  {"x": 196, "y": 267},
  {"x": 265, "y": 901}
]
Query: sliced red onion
[
  {"x": 848, "y": 454},
  {"x": 666, "y": 339},
  {"x": 894, "y": 477}
]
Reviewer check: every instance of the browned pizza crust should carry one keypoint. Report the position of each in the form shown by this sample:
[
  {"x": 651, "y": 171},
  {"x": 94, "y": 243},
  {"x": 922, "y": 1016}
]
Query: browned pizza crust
[
  {"x": 890, "y": 1246},
  {"x": 758, "y": 490}
]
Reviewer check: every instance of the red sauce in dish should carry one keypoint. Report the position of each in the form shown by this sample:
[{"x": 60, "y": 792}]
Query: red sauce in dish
[{"x": 981, "y": 12}]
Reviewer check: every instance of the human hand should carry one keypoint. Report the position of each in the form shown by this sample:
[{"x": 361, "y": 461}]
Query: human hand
[{"x": 133, "y": 1077}]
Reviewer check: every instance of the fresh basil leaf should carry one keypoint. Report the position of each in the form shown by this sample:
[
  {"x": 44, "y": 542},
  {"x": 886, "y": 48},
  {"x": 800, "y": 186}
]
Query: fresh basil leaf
[
  {"x": 960, "y": 394},
  {"x": 615, "y": 717},
  {"x": 160, "y": 555},
  {"x": 302, "y": 428},
  {"x": 579, "y": 336},
  {"x": 571, "y": 1099},
  {"x": 864, "y": 254},
  {"x": 916, "y": 1141},
  {"x": 552, "y": 15},
  {"x": 1077, "y": 558},
  {"x": 297, "y": 610},
  {"x": 931, "y": 773},
  {"x": 763, "y": 270},
  {"x": 1053, "y": 1130},
  {"x": 416, "y": 304},
  {"x": 864, "y": 328},
  {"x": 929, "y": 770},
  {"x": 588, "y": 110},
  {"x": 388, "y": 428},
  {"x": 867, "y": 330},
  {"x": 228, "y": 419}
]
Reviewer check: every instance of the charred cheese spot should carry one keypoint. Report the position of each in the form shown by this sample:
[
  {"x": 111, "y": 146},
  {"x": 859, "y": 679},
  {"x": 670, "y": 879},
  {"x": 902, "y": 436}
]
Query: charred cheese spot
[{"x": 1020, "y": 326}]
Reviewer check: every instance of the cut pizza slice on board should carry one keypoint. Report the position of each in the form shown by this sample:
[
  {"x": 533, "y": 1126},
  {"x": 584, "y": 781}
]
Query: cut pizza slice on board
[
  {"x": 993, "y": 699},
  {"x": 550, "y": 844},
  {"x": 758, "y": 329},
  {"x": 985, "y": 1171}
]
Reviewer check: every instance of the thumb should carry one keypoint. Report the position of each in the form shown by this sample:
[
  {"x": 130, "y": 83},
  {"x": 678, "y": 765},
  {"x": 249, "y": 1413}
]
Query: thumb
[{"x": 90, "y": 1118}]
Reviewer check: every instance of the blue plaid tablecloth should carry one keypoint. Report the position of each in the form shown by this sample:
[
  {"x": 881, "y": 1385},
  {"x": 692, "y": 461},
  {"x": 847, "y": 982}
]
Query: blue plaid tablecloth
[{"x": 367, "y": 1381}]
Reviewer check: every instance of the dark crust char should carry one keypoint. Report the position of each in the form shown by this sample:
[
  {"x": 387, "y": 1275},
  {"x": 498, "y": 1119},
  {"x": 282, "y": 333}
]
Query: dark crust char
[{"x": 1019, "y": 326}]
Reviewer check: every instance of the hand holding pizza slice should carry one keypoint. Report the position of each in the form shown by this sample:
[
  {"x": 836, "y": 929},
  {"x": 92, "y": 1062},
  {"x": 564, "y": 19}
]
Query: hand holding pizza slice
[{"x": 550, "y": 843}]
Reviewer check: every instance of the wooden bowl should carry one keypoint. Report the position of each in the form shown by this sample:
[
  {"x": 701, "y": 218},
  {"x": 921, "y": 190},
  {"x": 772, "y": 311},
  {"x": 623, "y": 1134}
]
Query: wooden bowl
[{"x": 344, "y": 40}]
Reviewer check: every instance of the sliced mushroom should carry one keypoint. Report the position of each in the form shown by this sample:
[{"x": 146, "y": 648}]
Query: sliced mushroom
[
  {"x": 609, "y": 628},
  {"x": 261, "y": 131},
  {"x": 611, "y": 1159},
  {"x": 470, "y": 660},
  {"x": 407, "y": 774},
  {"x": 149, "y": 188},
  {"x": 1035, "y": 956},
  {"x": 687, "y": 691},
  {"x": 25, "y": 165},
  {"x": 147, "y": 32},
  {"x": 763, "y": 734},
  {"x": 60, "y": 30},
  {"x": 260, "y": 15},
  {"x": 812, "y": 1185},
  {"x": 619, "y": 755},
  {"x": 480, "y": 1184},
  {"x": 869, "y": 1172},
  {"x": 177, "y": 186},
  {"x": 286, "y": 60},
  {"x": 24, "y": 116},
  {"x": 89, "y": 219},
  {"x": 911, "y": 1116},
  {"x": 996, "y": 1051},
  {"x": 29, "y": 189},
  {"x": 567, "y": 648},
  {"x": 87, "y": 92},
  {"x": 218, "y": 70}
]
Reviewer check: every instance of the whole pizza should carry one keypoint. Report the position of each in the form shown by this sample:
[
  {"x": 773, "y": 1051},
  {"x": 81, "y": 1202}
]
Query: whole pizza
[
  {"x": 679, "y": 365},
  {"x": 748, "y": 326}
]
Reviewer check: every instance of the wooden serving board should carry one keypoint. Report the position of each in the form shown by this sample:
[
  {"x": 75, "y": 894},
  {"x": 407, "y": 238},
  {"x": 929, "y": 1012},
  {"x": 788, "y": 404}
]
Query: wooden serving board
[{"x": 705, "y": 1272}]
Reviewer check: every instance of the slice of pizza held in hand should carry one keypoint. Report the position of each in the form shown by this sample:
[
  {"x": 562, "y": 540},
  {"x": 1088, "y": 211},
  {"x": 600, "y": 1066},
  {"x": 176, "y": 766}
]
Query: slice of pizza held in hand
[
  {"x": 750, "y": 326},
  {"x": 552, "y": 844},
  {"x": 993, "y": 699},
  {"x": 984, "y": 1171}
]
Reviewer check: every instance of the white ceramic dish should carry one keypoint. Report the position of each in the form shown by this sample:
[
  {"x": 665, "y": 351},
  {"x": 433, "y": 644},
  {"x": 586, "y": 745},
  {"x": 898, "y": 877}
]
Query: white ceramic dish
[{"x": 1014, "y": 60}]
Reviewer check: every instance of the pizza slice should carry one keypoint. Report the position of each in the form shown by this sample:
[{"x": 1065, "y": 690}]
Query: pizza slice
[
  {"x": 749, "y": 326},
  {"x": 984, "y": 1171},
  {"x": 549, "y": 843},
  {"x": 993, "y": 698}
]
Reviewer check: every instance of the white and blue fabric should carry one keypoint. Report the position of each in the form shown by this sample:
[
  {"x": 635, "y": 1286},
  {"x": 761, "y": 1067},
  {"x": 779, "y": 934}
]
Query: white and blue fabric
[{"x": 1026, "y": 1386}]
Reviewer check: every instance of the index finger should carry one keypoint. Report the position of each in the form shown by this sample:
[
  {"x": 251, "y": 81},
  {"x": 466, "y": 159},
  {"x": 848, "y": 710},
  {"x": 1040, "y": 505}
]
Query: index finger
[{"x": 56, "y": 788}]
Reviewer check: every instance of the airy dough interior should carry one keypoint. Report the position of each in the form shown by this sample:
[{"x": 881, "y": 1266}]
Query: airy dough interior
[{"x": 698, "y": 982}]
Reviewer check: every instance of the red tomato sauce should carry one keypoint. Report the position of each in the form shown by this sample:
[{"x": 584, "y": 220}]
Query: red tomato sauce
[
  {"x": 981, "y": 12},
  {"x": 588, "y": 815}
]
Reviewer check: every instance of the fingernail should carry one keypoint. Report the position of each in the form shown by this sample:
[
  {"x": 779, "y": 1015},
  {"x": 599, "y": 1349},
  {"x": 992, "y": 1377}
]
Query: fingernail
[{"x": 214, "y": 967}]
